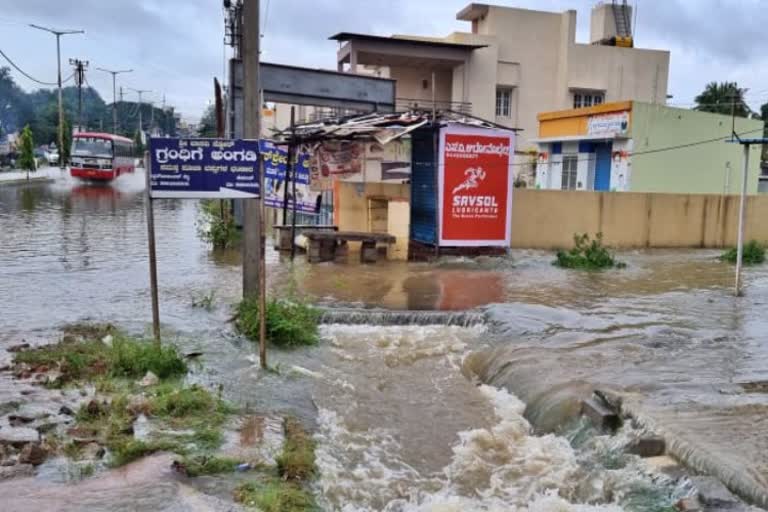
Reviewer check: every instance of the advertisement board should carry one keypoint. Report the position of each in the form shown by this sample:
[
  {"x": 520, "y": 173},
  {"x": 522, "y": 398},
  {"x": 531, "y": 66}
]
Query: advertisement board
[
  {"x": 608, "y": 124},
  {"x": 475, "y": 185},
  {"x": 275, "y": 165},
  {"x": 203, "y": 168}
]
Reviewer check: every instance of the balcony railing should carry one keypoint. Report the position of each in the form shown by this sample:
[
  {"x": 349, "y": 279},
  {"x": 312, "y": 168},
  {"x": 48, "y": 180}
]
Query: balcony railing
[{"x": 427, "y": 105}]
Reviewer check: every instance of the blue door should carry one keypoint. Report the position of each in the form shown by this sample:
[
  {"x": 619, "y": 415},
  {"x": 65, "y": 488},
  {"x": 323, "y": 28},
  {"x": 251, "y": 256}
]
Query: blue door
[{"x": 603, "y": 166}]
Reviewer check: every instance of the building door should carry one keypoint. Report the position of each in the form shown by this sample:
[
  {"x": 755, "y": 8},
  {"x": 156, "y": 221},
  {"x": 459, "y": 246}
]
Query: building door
[{"x": 603, "y": 166}]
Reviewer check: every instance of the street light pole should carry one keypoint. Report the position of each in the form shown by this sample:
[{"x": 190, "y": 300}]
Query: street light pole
[
  {"x": 114, "y": 74},
  {"x": 58, "y": 34}
]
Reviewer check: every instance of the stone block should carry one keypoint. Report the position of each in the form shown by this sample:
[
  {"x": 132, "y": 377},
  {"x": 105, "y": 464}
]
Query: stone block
[
  {"x": 712, "y": 493},
  {"x": 601, "y": 416},
  {"x": 650, "y": 446}
]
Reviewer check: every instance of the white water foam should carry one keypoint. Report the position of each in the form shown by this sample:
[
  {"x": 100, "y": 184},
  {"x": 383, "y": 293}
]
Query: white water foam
[{"x": 501, "y": 468}]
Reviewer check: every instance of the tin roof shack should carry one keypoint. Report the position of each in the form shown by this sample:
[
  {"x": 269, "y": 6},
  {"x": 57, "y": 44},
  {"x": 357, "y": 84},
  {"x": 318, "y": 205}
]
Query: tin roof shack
[{"x": 388, "y": 175}]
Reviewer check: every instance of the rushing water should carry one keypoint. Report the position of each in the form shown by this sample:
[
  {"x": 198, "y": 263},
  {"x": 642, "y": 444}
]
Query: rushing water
[{"x": 413, "y": 418}]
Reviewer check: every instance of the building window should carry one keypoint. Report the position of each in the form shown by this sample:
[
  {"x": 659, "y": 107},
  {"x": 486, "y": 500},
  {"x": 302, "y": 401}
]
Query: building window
[
  {"x": 569, "y": 172},
  {"x": 503, "y": 102},
  {"x": 581, "y": 99}
]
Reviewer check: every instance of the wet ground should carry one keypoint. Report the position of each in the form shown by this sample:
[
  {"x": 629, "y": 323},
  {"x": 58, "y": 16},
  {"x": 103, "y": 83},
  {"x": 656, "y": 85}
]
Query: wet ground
[{"x": 400, "y": 419}]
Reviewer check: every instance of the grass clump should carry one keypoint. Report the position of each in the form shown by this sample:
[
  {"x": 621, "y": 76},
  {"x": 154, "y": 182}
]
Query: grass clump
[
  {"x": 85, "y": 357},
  {"x": 289, "y": 323},
  {"x": 203, "y": 465},
  {"x": 133, "y": 359},
  {"x": 276, "y": 496},
  {"x": 297, "y": 462},
  {"x": 295, "y": 466},
  {"x": 587, "y": 254},
  {"x": 127, "y": 449},
  {"x": 753, "y": 253},
  {"x": 168, "y": 405}
]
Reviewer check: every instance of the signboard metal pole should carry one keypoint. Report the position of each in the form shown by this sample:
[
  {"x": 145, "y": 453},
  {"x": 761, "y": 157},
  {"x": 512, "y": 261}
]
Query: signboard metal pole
[
  {"x": 262, "y": 271},
  {"x": 149, "y": 212},
  {"x": 742, "y": 207}
]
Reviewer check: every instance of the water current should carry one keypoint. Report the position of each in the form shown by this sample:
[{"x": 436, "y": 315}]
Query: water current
[{"x": 451, "y": 417}]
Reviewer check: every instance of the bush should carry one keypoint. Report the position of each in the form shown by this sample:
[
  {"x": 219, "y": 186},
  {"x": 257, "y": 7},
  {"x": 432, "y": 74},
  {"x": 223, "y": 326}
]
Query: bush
[
  {"x": 754, "y": 254},
  {"x": 217, "y": 226},
  {"x": 289, "y": 324},
  {"x": 587, "y": 254}
]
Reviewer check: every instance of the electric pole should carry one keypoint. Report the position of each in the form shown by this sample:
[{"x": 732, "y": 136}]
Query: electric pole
[
  {"x": 79, "y": 66},
  {"x": 253, "y": 228},
  {"x": 140, "y": 92},
  {"x": 58, "y": 34},
  {"x": 114, "y": 74}
]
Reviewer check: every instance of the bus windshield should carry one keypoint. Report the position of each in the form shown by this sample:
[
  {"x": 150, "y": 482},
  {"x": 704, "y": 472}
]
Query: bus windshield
[{"x": 92, "y": 146}]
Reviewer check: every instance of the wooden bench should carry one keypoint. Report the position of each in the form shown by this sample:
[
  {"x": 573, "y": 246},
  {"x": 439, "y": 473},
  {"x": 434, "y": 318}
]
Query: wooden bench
[
  {"x": 282, "y": 233},
  {"x": 334, "y": 246}
]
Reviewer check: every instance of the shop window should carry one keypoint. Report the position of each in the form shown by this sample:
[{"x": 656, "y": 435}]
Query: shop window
[
  {"x": 503, "y": 102},
  {"x": 569, "y": 172}
]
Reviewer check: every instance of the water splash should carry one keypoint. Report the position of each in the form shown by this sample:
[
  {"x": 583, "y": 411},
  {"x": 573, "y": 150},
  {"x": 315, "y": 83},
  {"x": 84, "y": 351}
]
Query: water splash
[{"x": 354, "y": 316}]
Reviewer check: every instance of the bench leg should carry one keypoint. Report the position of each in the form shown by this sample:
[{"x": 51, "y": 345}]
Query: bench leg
[
  {"x": 369, "y": 253},
  {"x": 342, "y": 252}
]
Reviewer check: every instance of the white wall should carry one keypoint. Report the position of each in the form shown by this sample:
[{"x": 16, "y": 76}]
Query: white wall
[{"x": 621, "y": 169}]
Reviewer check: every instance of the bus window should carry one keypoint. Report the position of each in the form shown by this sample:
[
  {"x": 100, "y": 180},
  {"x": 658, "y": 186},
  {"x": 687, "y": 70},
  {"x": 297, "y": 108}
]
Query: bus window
[{"x": 92, "y": 146}]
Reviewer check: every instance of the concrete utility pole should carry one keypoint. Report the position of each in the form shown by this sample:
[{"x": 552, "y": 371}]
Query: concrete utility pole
[
  {"x": 58, "y": 34},
  {"x": 79, "y": 66},
  {"x": 140, "y": 92},
  {"x": 742, "y": 207},
  {"x": 114, "y": 74},
  {"x": 253, "y": 228}
]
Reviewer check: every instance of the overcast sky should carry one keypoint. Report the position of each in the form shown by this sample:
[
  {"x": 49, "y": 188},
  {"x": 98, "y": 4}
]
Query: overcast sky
[{"x": 175, "y": 46}]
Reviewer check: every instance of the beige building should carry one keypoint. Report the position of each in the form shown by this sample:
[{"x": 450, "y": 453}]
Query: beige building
[{"x": 514, "y": 64}]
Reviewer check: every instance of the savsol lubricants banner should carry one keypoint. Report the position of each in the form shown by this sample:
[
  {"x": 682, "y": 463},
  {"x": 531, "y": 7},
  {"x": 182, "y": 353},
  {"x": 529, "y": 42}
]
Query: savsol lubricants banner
[{"x": 475, "y": 183}]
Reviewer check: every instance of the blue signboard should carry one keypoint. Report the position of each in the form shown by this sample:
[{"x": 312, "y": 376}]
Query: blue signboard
[
  {"x": 204, "y": 168},
  {"x": 275, "y": 165}
]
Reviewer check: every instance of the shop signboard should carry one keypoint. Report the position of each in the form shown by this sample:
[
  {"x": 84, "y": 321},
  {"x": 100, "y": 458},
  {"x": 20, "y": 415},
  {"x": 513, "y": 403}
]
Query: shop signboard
[
  {"x": 203, "y": 168},
  {"x": 608, "y": 124},
  {"x": 475, "y": 183},
  {"x": 275, "y": 165}
]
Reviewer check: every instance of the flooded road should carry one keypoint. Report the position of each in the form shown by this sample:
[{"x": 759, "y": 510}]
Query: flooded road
[{"x": 421, "y": 418}]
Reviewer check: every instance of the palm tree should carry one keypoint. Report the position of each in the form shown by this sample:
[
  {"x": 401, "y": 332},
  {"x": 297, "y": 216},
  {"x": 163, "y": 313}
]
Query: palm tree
[{"x": 723, "y": 98}]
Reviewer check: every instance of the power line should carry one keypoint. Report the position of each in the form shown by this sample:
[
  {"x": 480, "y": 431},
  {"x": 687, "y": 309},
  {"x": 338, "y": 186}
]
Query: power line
[{"x": 17, "y": 68}]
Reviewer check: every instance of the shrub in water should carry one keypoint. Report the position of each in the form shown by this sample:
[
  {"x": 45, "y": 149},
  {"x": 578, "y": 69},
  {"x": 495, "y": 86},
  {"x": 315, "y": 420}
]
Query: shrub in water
[
  {"x": 587, "y": 254},
  {"x": 217, "y": 226},
  {"x": 754, "y": 253},
  {"x": 289, "y": 324},
  {"x": 133, "y": 358}
]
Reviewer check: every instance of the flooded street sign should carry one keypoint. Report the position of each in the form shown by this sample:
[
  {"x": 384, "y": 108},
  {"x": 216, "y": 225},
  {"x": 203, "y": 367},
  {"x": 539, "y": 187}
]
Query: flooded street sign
[
  {"x": 204, "y": 168},
  {"x": 196, "y": 168}
]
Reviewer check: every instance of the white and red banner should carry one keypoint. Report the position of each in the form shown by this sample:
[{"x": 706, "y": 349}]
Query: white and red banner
[{"x": 475, "y": 179}]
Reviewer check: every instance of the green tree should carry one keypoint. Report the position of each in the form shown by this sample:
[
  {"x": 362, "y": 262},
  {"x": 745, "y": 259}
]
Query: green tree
[
  {"x": 723, "y": 98},
  {"x": 138, "y": 144},
  {"x": 27, "y": 150},
  {"x": 208, "y": 123}
]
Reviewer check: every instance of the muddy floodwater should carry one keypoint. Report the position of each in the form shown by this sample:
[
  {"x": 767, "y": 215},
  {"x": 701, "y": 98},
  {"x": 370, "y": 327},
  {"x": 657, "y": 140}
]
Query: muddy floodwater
[{"x": 409, "y": 418}]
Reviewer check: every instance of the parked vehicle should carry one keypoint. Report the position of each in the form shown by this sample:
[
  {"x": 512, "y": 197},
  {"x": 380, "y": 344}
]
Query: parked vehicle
[{"x": 101, "y": 156}]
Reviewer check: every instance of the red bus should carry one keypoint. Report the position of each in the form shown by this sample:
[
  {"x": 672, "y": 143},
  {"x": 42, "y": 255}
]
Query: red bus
[{"x": 100, "y": 156}]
